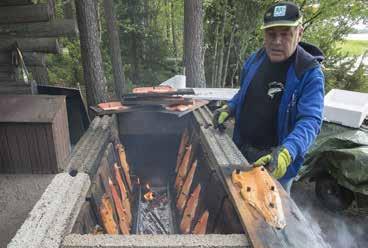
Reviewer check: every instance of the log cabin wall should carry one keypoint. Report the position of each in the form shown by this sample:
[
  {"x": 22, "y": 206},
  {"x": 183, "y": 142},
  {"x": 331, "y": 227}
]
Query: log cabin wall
[{"x": 31, "y": 26}]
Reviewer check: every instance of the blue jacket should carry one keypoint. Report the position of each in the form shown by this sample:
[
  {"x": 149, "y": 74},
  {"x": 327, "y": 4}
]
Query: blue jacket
[{"x": 301, "y": 107}]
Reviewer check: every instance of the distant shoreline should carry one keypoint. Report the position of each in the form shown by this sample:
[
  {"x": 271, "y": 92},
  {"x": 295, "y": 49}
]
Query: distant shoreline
[{"x": 363, "y": 36}]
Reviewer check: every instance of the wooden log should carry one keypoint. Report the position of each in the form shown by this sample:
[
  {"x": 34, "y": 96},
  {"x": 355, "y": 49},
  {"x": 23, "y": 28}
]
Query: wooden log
[
  {"x": 16, "y": 2},
  {"x": 55, "y": 28},
  {"x": 41, "y": 45},
  {"x": 25, "y": 14}
]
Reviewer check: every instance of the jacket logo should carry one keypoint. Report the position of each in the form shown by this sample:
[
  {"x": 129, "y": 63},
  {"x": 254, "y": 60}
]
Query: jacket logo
[{"x": 274, "y": 88}]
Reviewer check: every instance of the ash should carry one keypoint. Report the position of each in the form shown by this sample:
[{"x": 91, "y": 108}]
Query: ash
[{"x": 155, "y": 216}]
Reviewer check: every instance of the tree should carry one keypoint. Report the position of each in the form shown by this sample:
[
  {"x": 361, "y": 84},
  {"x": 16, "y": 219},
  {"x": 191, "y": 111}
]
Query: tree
[
  {"x": 95, "y": 82},
  {"x": 193, "y": 43},
  {"x": 114, "y": 45}
]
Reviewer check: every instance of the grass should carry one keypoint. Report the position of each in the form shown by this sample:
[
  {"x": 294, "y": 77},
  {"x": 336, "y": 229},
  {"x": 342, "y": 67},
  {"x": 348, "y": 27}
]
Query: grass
[{"x": 354, "y": 47}]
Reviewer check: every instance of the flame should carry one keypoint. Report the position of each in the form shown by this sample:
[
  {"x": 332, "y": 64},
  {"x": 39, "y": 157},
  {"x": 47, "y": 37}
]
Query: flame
[{"x": 149, "y": 196}]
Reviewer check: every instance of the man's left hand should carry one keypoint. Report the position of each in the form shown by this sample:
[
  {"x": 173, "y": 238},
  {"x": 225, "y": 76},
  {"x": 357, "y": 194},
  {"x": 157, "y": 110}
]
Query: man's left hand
[{"x": 277, "y": 162}]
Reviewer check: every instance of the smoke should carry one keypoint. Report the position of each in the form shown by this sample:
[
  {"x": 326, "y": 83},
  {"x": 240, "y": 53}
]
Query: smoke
[{"x": 339, "y": 230}]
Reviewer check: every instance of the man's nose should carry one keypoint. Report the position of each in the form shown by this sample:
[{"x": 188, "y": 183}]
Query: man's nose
[{"x": 278, "y": 39}]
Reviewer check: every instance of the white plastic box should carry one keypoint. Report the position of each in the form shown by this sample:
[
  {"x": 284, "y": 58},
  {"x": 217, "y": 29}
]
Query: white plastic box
[{"x": 345, "y": 107}]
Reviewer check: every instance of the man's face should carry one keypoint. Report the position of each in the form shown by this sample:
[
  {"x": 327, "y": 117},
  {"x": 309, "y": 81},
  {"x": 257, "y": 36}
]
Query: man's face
[{"x": 281, "y": 42}]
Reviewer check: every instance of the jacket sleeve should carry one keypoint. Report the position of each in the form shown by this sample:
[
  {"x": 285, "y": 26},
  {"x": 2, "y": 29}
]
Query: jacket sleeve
[
  {"x": 309, "y": 115},
  {"x": 234, "y": 102}
]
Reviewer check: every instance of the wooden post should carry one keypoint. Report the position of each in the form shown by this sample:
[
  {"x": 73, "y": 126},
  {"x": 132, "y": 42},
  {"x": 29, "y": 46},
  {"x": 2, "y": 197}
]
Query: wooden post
[
  {"x": 90, "y": 50},
  {"x": 114, "y": 45}
]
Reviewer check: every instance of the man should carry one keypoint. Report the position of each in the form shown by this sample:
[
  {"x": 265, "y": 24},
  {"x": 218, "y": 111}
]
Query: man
[{"x": 278, "y": 109}]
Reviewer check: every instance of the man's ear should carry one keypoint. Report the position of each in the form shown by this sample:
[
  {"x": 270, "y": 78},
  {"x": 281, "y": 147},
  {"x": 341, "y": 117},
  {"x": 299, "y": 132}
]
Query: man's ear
[{"x": 300, "y": 33}]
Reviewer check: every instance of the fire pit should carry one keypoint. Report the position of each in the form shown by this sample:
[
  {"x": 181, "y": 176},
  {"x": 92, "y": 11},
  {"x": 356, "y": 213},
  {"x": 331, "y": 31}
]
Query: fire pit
[
  {"x": 153, "y": 179},
  {"x": 164, "y": 178}
]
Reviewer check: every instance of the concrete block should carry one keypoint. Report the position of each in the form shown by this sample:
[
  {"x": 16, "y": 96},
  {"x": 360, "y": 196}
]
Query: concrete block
[
  {"x": 53, "y": 216},
  {"x": 157, "y": 241}
]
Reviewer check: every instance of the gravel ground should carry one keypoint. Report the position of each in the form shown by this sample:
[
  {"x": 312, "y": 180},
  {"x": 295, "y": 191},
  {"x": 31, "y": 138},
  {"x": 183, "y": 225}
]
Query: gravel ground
[
  {"x": 339, "y": 230},
  {"x": 18, "y": 195}
]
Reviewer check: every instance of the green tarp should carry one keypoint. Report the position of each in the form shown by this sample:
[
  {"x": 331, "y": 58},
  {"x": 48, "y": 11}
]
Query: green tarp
[{"x": 343, "y": 153}]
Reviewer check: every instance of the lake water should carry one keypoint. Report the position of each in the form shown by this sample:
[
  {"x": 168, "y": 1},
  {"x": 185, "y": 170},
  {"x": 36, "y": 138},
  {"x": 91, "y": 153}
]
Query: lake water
[{"x": 357, "y": 36}]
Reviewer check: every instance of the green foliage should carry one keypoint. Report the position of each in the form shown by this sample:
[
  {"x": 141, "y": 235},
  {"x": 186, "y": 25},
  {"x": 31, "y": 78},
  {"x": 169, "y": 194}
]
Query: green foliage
[
  {"x": 151, "y": 40},
  {"x": 66, "y": 69},
  {"x": 353, "y": 47}
]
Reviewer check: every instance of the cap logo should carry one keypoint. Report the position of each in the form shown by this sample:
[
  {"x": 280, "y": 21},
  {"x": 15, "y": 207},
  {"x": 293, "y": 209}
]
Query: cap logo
[{"x": 279, "y": 11}]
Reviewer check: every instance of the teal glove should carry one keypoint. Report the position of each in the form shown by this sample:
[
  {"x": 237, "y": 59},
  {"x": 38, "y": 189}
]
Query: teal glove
[
  {"x": 220, "y": 115},
  {"x": 276, "y": 162}
]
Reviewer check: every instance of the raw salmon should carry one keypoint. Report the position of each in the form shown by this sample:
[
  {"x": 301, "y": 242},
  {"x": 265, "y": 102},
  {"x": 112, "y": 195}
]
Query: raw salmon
[{"x": 190, "y": 211}]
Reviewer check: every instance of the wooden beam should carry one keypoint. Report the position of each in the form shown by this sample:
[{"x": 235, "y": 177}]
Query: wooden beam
[
  {"x": 41, "y": 45},
  {"x": 25, "y": 14},
  {"x": 55, "y": 28}
]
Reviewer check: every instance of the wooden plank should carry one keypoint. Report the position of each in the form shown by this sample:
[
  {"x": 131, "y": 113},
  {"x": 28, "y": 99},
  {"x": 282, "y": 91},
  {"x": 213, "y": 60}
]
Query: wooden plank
[
  {"x": 25, "y": 14},
  {"x": 42, "y": 45},
  {"x": 55, "y": 28},
  {"x": 20, "y": 134}
]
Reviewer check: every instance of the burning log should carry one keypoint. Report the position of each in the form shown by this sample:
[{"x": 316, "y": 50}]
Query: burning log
[
  {"x": 149, "y": 195},
  {"x": 183, "y": 169},
  {"x": 190, "y": 211},
  {"x": 183, "y": 143},
  {"x": 107, "y": 216},
  {"x": 201, "y": 226},
  {"x": 124, "y": 197},
  {"x": 183, "y": 196},
  {"x": 122, "y": 214},
  {"x": 124, "y": 164}
]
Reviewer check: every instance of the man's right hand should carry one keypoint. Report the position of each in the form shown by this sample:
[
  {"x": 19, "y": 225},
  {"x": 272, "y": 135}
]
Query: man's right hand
[{"x": 220, "y": 115}]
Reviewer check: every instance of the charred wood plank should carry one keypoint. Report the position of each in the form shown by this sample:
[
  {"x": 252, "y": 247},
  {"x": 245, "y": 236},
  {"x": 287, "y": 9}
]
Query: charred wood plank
[
  {"x": 225, "y": 157},
  {"x": 25, "y": 14},
  {"x": 55, "y": 28},
  {"x": 42, "y": 45}
]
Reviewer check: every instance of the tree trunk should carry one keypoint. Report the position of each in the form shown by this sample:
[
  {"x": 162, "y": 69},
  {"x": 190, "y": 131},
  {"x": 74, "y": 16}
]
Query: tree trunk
[
  {"x": 193, "y": 43},
  {"x": 115, "y": 52},
  {"x": 214, "y": 57},
  {"x": 228, "y": 55},
  {"x": 221, "y": 51},
  {"x": 90, "y": 50},
  {"x": 69, "y": 10},
  {"x": 175, "y": 45}
]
